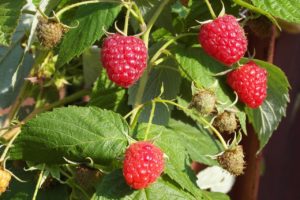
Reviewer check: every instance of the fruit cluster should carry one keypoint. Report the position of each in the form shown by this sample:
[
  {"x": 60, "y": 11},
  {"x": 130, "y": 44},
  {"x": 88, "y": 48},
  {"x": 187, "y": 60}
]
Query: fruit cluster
[{"x": 224, "y": 40}]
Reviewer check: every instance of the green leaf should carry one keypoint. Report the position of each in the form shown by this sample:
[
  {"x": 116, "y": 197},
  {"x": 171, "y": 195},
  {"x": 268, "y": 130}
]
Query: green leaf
[
  {"x": 287, "y": 10},
  {"x": 242, "y": 119},
  {"x": 215, "y": 196},
  {"x": 13, "y": 58},
  {"x": 267, "y": 117},
  {"x": 74, "y": 133},
  {"x": 197, "y": 66},
  {"x": 199, "y": 144},
  {"x": 92, "y": 19},
  {"x": 108, "y": 95},
  {"x": 113, "y": 187},
  {"x": 177, "y": 164},
  {"x": 91, "y": 65},
  {"x": 10, "y": 14},
  {"x": 166, "y": 75}
]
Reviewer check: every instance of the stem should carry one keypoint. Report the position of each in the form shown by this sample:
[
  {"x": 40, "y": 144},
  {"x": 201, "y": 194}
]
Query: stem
[
  {"x": 38, "y": 184},
  {"x": 140, "y": 17},
  {"x": 66, "y": 100},
  {"x": 125, "y": 31},
  {"x": 150, "y": 120},
  {"x": 159, "y": 52},
  {"x": 133, "y": 111},
  {"x": 201, "y": 120},
  {"x": 2, "y": 158},
  {"x": 144, "y": 78},
  {"x": 213, "y": 14},
  {"x": 15, "y": 107},
  {"x": 69, "y": 7},
  {"x": 153, "y": 20},
  {"x": 61, "y": 102}
]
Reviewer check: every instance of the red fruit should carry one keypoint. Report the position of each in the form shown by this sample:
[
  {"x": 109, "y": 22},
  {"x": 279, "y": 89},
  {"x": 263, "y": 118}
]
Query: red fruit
[
  {"x": 223, "y": 39},
  {"x": 143, "y": 164},
  {"x": 125, "y": 59},
  {"x": 250, "y": 83}
]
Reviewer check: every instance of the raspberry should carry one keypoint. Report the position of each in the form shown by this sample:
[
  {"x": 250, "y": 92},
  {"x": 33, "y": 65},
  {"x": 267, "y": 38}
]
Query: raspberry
[
  {"x": 4, "y": 180},
  {"x": 233, "y": 160},
  {"x": 204, "y": 101},
  {"x": 125, "y": 59},
  {"x": 223, "y": 39},
  {"x": 143, "y": 164},
  {"x": 250, "y": 83},
  {"x": 225, "y": 122},
  {"x": 49, "y": 32},
  {"x": 87, "y": 177}
]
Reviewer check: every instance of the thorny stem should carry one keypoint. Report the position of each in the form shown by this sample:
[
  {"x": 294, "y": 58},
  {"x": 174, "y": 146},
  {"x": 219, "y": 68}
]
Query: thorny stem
[
  {"x": 201, "y": 119},
  {"x": 69, "y": 7},
  {"x": 150, "y": 120},
  {"x": 213, "y": 14},
  {"x": 171, "y": 41},
  {"x": 38, "y": 184}
]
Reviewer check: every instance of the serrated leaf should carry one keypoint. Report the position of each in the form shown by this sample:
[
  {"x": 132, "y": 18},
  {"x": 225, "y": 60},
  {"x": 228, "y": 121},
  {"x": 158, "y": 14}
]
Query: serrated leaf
[
  {"x": 197, "y": 66},
  {"x": 287, "y": 10},
  {"x": 74, "y": 133},
  {"x": 177, "y": 164},
  {"x": 108, "y": 95},
  {"x": 199, "y": 144},
  {"x": 10, "y": 14},
  {"x": 92, "y": 19},
  {"x": 166, "y": 75},
  {"x": 267, "y": 117},
  {"x": 113, "y": 187}
]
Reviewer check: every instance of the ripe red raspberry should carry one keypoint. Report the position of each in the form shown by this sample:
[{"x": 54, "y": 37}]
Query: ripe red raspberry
[
  {"x": 125, "y": 59},
  {"x": 250, "y": 83},
  {"x": 223, "y": 39},
  {"x": 143, "y": 164}
]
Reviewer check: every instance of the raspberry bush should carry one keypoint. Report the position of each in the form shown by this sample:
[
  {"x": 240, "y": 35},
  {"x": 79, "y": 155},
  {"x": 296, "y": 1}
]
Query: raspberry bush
[{"x": 119, "y": 99}]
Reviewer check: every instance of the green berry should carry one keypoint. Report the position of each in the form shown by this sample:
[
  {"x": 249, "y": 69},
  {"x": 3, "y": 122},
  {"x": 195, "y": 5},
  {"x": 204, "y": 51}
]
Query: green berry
[
  {"x": 204, "y": 101},
  {"x": 226, "y": 122},
  {"x": 233, "y": 160},
  {"x": 49, "y": 32}
]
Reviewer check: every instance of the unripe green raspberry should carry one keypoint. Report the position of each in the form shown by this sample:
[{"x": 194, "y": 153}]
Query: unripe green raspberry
[
  {"x": 226, "y": 122},
  {"x": 49, "y": 32},
  {"x": 233, "y": 160},
  {"x": 204, "y": 101}
]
